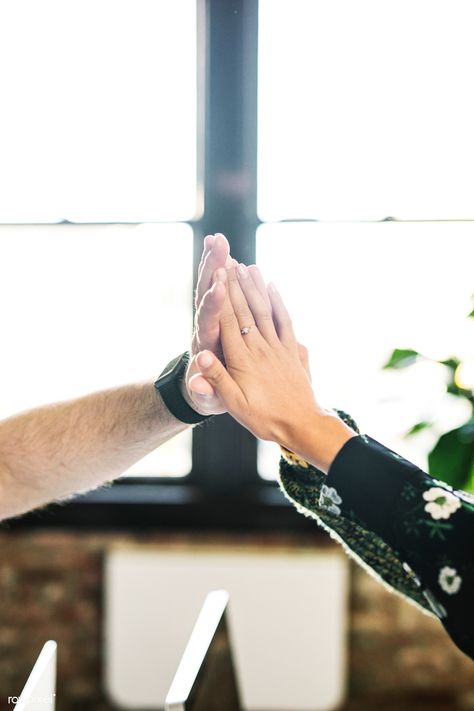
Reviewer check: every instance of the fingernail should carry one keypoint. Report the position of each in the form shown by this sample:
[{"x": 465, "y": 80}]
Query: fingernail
[
  {"x": 242, "y": 271},
  {"x": 272, "y": 288},
  {"x": 208, "y": 241},
  {"x": 213, "y": 288},
  {"x": 205, "y": 359},
  {"x": 221, "y": 274}
]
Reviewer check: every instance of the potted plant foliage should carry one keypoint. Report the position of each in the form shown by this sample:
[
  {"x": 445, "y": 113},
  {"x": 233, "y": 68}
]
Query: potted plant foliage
[{"x": 452, "y": 457}]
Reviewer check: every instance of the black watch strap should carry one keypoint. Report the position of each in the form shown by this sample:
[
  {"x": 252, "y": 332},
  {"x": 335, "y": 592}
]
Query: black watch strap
[{"x": 169, "y": 385}]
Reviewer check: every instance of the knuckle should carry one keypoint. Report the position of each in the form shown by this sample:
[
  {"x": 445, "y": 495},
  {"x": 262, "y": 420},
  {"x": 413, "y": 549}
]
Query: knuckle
[
  {"x": 227, "y": 319},
  {"x": 243, "y": 314},
  {"x": 206, "y": 304},
  {"x": 265, "y": 316},
  {"x": 261, "y": 351},
  {"x": 216, "y": 374}
]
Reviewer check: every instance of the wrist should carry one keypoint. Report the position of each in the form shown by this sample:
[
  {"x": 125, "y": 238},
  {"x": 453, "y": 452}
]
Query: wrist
[
  {"x": 319, "y": 439},
  {"x": 170, "y": 385}
]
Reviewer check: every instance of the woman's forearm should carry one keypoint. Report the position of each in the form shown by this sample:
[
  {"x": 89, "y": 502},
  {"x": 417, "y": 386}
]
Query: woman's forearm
[{"x": 53, "y": 451}]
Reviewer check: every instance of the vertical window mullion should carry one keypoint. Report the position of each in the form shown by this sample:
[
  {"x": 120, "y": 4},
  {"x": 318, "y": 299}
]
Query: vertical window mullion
[{"x": 224, "y": 454}]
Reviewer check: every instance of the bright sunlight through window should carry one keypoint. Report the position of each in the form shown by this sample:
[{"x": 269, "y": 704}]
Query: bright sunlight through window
[
  {"x": 365, "y": 113},
  {"x": 366, "y": 109},
  {"x": 86, "y": 308},
  {"x": 356, "y": 292},
  {"x": 98, "y": 119}
]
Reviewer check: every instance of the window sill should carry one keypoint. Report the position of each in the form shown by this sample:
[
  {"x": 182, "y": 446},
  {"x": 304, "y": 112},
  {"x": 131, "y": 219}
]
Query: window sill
[{"x": 171, "y": 507}]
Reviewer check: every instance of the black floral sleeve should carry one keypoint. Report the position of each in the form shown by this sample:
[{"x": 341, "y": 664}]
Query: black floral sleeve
[
  {"x": 410, "y": 530},
  {"x": 430, "y": 525}
]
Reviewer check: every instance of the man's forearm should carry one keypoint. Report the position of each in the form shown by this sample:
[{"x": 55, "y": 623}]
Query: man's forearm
[{"x": 53, "y": 451}]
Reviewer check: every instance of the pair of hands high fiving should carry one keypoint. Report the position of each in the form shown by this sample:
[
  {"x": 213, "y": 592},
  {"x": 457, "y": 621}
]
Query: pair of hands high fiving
[{"x": 247, "y": 361}]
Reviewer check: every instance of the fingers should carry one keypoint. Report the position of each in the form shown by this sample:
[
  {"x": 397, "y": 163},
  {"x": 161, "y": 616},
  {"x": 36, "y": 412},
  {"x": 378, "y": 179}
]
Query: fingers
[
  {"x": 259, "y": 306},
  {"x": 281, "y": 318},
  {"x": 304, "y": 359},
  {"x": 207, "y": 245},
  {"x": 220, "y": 381},
  {"x": 209, "y": 313},
  {"x": 215, "y": 254},
  {"x": 238, "y": 302},
  {"x": 259, "y": 283},
  {"x": 233, "y": 319}
]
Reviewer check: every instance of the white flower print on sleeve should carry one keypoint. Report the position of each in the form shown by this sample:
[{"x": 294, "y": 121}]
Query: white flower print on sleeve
[
  {"x": 449, "y": 580},
  {"x": 441, "y": 503},
  {"x": 329, "y": 500}
]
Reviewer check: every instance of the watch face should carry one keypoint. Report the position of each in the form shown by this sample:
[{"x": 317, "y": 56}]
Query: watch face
[
  {"x": 173, "y": 370},
  {"x": 169, "y": 386},
  {"x": 165, "y": 378}
]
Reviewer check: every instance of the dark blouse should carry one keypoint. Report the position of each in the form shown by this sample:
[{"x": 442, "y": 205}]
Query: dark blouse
[{"x": 411, "y": 531}]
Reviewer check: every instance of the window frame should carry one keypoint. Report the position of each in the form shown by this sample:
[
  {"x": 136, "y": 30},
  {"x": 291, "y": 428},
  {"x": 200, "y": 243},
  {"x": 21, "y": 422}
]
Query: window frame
[{"x": 220, "y": 492}]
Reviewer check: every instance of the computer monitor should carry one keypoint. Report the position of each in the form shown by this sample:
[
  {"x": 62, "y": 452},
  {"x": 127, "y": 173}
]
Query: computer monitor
[
  {"x": 39, "y": 692},
  {"x": 205, "y": 679}
]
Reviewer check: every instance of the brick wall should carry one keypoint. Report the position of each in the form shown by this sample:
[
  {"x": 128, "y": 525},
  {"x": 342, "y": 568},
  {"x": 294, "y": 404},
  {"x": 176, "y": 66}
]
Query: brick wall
[{"x": 51, "y": 587}]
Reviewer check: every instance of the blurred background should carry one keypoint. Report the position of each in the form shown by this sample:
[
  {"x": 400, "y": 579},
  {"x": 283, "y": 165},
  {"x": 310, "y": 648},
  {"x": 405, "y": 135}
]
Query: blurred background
[{"x": 331, "y": 141}]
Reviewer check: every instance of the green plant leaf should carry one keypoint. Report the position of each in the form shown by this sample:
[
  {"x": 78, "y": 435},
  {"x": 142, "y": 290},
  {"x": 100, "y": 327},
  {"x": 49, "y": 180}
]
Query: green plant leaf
[
  {"x": 454, "y": 389},
  {"x": 466, "y": 432},
  {"x": 452, "y": 458},
  {"x": 418, "y": 428},
  {"x": 402, "y": 358},
  {"x": 450, "y": 362},
  {"x": 471, "y": 315}
]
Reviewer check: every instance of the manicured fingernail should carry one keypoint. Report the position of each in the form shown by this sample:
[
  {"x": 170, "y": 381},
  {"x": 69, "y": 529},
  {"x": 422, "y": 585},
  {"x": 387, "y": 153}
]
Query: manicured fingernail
[
  {"x": 221, "y": 274},
  {"x": 272, "y": 288},
  {"x": 242, "y": 271},
  {"x": 205, "y": 359}
]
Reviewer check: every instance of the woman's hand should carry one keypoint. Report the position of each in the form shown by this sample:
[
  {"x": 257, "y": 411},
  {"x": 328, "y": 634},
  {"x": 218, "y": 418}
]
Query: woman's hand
[
  {"x": 209, "y": 300},
  {"x": 264, "y": 384}
]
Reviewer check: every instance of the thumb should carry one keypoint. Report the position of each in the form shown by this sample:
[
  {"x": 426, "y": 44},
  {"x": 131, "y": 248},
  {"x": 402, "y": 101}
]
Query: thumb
[
  {"x": 217, "y": 376},
  {"x": 200, "y": 387}
]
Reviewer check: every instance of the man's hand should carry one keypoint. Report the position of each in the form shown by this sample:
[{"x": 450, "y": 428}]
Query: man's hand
[{"x": 210, "y": 295}]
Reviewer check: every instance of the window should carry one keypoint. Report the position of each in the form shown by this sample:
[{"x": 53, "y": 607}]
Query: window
[
  {"x": 96, "y": 130},
  {"x": 94, "y": 126},
  {"x": 365, "y": 185},
  {"x": 91, "y": 307},
  {"x": 134, "y": 129}
]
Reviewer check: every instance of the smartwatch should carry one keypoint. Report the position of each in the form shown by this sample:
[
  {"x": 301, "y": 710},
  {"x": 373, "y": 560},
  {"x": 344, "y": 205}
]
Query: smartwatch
[{"x": 169, "y": 384}]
